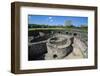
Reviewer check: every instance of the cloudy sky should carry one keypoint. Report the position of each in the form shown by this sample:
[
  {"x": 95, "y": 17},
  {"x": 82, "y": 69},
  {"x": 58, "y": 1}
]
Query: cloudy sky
[{"x": 56, "y": 20}]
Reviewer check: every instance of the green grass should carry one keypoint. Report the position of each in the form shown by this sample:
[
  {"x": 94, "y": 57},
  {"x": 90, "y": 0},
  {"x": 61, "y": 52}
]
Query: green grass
[
  {"x": 68, "y": 29},
  {"x": 32, "y": 29}
]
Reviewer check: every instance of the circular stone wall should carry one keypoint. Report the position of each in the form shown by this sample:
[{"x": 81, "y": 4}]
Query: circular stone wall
[{"x": 58, "y": 46}]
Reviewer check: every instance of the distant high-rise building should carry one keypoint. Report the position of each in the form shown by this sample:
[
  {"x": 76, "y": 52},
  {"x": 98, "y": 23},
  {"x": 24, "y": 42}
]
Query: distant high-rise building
[{"x": 68, "y": 23}]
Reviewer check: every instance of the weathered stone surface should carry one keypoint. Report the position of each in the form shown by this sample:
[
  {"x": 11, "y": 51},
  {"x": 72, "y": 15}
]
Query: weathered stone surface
[{"x": 58, "y": 45}]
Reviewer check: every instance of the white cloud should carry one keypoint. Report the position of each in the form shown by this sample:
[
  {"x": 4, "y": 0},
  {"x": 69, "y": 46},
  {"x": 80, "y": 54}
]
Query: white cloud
[
  {"x": 50, "y": 17},
  {"x": 51, "y": 20}
]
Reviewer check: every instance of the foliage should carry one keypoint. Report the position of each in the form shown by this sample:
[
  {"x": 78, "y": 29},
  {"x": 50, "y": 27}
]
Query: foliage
[{"x": 83, "y": 27}]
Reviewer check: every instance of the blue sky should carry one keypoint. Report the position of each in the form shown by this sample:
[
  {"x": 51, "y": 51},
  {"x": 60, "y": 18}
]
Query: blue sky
[{"x": 56, "y": 20}]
